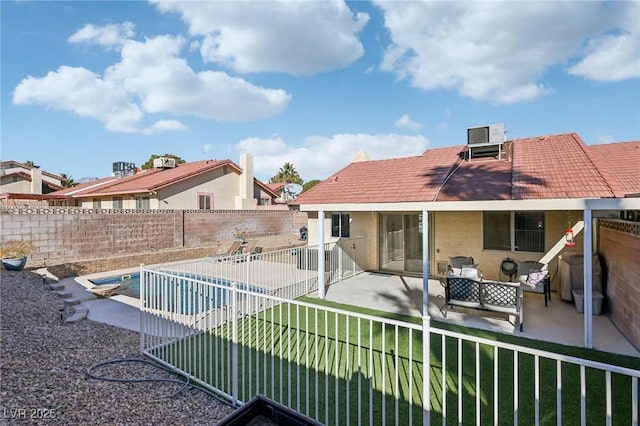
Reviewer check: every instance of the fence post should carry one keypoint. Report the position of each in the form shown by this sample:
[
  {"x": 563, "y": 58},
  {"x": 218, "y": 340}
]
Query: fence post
[
  {"x": 143, "y": 304},
  {"x": 234, "y": 342}
]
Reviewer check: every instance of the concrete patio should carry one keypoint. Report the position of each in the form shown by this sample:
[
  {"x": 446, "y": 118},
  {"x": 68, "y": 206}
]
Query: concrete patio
[{"x": 559, "y": 322}]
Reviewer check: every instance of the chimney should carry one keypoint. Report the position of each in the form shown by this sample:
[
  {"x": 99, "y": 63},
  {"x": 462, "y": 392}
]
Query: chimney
[
  {"x": 245, "y": 199},
  {"x": 360, "y": 156},
  {"x": 36, "y": 180}
]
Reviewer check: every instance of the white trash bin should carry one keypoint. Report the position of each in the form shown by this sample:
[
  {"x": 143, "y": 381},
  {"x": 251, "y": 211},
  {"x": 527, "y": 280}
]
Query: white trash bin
[{"x": 596, "y": 297}]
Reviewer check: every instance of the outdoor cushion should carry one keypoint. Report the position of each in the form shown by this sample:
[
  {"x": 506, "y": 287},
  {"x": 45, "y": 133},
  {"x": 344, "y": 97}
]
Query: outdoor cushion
[
  {"x": 525, "y": 266},
  {"x": 470, "y": 271},
  {"x": 536, "y": 277}
]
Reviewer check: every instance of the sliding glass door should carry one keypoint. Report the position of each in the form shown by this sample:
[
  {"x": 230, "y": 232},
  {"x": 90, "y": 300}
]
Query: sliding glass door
[{"x": 401, "y": 242}]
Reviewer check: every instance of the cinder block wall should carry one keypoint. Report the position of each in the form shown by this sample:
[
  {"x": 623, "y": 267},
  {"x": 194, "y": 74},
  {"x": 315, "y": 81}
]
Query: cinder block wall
[
  {"x": 619, "y": 247},
  {"x": 93, "y": 240}
]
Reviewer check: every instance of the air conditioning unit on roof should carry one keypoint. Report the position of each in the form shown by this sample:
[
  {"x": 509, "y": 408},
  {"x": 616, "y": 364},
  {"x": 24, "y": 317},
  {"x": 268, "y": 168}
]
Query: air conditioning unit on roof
[
  {"x": 484, "y": 141},
  {"x": 164, "y": 163},
  {"x": 486, "y": 134}
]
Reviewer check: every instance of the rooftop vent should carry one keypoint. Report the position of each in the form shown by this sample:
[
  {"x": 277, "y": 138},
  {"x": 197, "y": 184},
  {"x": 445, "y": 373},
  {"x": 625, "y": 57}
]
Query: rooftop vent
[
  {"x": 485, "y": 141},
  {"x": 164, "y": 163}
]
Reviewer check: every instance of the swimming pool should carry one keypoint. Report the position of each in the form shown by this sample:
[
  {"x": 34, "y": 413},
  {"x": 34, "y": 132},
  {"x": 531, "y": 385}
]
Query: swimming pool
[
  {"x": 181, "y": 295},
  {"x": 129, "y": 284}
]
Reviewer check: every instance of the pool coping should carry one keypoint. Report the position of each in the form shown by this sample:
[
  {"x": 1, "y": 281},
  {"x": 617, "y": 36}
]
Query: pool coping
[{"x": 85, "y": 281}]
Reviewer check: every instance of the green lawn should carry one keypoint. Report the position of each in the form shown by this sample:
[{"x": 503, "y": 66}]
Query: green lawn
[{"x": 310, "y": 360}]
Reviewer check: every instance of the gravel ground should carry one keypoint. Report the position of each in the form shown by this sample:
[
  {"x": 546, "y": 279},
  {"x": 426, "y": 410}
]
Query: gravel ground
[{"x": 44, "y": 363}]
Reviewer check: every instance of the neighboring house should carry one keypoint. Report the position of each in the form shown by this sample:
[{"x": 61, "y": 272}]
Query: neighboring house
[
  {"x": 489, "y": 200},
  {"x": 287, "y": 192},
  {"x": 21, "y": 184},
  {"x": 205, "y": 185}
]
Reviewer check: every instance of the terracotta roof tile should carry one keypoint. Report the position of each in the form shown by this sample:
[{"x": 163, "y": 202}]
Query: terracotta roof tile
[
  {"x": 154, "y": 179},
  {"x": 386, "y": 181},
  {"x": 620, "y": 163},
  {"x": 82, "y": 187},
  {"x": 555, "y": 166}
]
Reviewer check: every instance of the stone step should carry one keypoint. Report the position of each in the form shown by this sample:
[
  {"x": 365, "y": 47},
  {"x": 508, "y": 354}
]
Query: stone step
[
  {"x": 63, "y": 293},
  {"x": 56, "y": 286},
  {"x": 79, "y": 314},
  {"x": 72, "y": 301}
]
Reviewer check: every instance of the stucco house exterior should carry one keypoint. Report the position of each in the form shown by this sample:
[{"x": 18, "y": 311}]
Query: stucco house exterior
[
  {"x": 204, "y": 185},
  {"x": 489, "y": 199},
  {"x": 22, "y": 184}
]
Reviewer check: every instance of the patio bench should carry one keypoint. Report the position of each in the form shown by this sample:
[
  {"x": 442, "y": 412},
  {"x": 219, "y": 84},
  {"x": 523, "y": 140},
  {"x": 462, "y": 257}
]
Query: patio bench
[{"x": 495, "y": 296}]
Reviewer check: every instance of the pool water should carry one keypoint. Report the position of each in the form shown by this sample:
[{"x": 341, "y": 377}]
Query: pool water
[
  {"x": 129, "y": 284},
  {"x": 178, "y": 294}
]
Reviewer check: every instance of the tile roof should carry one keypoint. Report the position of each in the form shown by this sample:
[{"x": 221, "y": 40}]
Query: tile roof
[
  {"x": 620, "y": 163},
  {"x": 148, "y": 180},
  {"x": 276, "y": 187},
  {"x": 82, "y": 187},
  {"x": 385, "y": 181},
  {"x": 555, "y": 166}
]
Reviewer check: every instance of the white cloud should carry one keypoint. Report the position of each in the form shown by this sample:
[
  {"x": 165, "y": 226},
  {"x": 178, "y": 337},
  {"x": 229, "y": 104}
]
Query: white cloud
[
  {"x": 405, "y": 121},
  {"x": 162, "y": 126},
  {"x": 112, "y": 35},
  {"x": 614, "y": 56},
  {"x": 84, "y": 93},
  {"x": 498, "y": 51},
  {"x": 319, "y": 157},
  {"x": 166, "y": 84},
  {"x": 300, "y": 38},
  {"x": 151, "y": 78}
]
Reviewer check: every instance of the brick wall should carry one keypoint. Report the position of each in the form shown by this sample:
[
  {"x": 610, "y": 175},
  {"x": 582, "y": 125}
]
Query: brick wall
[
  {"x": 93, "y": 240},
  {"x": 619, "y": 247}
]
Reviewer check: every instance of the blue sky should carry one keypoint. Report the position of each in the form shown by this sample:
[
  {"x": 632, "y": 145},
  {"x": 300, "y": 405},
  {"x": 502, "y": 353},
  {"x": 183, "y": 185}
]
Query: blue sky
[{"x": 88, "y": 83}]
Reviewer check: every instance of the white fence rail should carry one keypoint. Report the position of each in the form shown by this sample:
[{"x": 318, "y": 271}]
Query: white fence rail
[{"x": 339, "y": 367}]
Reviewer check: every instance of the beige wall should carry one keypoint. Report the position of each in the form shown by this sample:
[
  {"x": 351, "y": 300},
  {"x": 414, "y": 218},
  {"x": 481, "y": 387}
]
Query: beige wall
[
  {"x": 454, "y": 234},
  {"x": 184, "y": 195},
  {"x": 20, "y": 187},
  {"x": 223, "y": 183},
  {"x": 363, "y": 230}
]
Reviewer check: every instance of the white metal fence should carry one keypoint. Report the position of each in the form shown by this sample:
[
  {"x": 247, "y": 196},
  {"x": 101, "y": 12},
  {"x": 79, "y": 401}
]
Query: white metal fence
[{"x": 223, "y": 324}]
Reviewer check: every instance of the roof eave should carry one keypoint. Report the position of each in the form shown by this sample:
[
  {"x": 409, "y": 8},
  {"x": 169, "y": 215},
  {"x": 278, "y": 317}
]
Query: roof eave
[{"x": 555, "y": 204}]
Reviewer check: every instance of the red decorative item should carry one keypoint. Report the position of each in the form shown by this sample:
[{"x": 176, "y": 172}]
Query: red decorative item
[{"x": 568, "y": 235}]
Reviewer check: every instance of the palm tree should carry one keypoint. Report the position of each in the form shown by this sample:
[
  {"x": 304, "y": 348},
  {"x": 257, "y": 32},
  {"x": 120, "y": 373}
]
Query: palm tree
[
  {"x": 67, "y": 181},
  {"x": 30, "y": 164},
  {"x": 287, "y": 174}
]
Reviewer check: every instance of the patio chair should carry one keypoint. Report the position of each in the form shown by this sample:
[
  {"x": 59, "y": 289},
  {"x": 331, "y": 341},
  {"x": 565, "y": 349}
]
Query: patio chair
[
  {"x": 249, "y": 251},
  {"x": 533, "y": 277},
  {"x": 234, "y": 249},
  {"x": 456, "y": 263}
]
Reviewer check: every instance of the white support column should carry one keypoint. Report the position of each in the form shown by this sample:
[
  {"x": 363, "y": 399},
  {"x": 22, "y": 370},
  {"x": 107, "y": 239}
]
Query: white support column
[
  {"x": 588, "y": 279},
  {"x": 426, "y": 323},
  {"x": 321, "y": 289}
]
